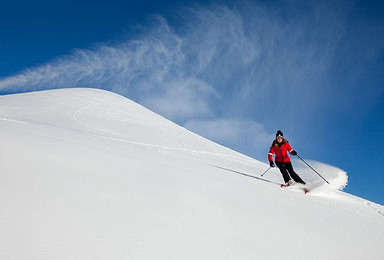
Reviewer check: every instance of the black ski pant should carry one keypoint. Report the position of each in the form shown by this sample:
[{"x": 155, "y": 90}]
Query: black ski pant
[{"x": 287, "y": 167}]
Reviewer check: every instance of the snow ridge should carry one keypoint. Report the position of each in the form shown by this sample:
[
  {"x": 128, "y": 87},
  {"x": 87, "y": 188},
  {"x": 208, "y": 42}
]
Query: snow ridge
[{"x": 88, "y": 174}]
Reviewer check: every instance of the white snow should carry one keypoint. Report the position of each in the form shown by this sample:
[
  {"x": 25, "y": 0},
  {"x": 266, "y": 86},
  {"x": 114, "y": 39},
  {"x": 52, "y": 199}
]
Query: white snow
[{"x": 88, "y": 174}]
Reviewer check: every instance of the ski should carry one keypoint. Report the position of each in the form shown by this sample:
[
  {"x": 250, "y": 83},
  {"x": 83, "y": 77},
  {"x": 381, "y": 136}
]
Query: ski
[{"x": 304, "y": 189}]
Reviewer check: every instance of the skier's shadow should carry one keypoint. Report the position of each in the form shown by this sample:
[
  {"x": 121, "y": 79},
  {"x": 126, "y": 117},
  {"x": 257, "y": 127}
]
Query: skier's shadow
[{"x": 243, "y": 174}]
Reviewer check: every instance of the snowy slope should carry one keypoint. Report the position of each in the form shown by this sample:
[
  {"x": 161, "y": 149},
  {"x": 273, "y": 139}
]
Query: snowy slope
[{"x": 88, "y": 174}]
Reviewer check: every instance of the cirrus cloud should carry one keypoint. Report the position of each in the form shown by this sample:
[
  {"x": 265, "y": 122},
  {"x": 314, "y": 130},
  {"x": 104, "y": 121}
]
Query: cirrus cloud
[{"x": 213, "y": 62}]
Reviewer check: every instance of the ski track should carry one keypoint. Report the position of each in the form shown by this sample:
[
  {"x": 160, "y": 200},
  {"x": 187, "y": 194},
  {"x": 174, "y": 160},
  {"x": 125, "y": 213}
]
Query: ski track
[{"x": 118, "y": 139}]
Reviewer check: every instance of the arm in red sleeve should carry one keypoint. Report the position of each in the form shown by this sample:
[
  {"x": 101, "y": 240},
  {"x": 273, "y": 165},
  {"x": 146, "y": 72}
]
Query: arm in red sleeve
[
  {"x": 289, "y": 148},
  {"x": 270, "y": 155}
]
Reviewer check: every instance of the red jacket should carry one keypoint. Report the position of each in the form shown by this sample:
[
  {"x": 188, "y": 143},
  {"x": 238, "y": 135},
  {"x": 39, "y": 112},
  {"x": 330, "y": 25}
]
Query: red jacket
[{"x": 280, "y": 151}]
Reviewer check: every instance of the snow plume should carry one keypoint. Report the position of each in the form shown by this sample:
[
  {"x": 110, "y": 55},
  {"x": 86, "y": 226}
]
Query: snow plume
[
  {"x": 337, "y": 178},
  {"x": 211, "y": 63}
]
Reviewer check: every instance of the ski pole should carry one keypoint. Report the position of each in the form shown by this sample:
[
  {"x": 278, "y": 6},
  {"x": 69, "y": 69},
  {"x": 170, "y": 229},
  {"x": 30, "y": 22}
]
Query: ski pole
[
  {"x": 313, "y": 169},
  {"x": 266, "y": 170}
]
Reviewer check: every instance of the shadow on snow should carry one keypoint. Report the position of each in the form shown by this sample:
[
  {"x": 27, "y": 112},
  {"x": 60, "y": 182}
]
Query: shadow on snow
[{"x": 243, "y": 174}]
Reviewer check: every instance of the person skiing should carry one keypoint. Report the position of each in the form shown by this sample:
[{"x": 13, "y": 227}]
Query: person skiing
[{"x": 280, "y": 147}]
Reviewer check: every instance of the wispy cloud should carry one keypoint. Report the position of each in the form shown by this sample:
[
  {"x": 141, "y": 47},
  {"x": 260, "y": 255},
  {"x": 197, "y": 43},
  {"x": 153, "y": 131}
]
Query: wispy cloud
[
  {"x": 246, "y": 136},
  {"x": 214, "y": 67}
]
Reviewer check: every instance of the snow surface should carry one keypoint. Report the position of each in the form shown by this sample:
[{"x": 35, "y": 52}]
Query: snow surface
[{"x": 88, "y": 174}]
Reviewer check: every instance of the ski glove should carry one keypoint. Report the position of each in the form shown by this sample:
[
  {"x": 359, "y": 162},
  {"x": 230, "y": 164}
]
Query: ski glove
[
  {"x": 294, "y": 152},
  {"x": 271, "y": 164}
]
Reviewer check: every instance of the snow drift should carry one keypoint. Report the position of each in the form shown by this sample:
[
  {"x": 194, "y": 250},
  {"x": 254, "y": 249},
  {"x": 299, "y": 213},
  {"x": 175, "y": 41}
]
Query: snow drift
[{"x": 88, "y": 174}]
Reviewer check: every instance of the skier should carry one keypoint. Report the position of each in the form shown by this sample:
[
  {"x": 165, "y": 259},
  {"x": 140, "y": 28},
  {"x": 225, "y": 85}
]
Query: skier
[{"x": 280, "y": 147}]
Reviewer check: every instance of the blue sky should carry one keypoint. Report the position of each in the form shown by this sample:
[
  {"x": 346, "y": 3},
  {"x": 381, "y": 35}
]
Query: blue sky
[{"x": 233, "y": 71}]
